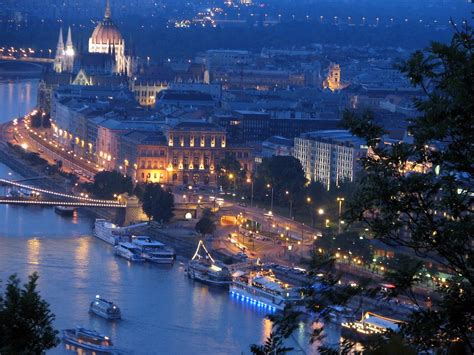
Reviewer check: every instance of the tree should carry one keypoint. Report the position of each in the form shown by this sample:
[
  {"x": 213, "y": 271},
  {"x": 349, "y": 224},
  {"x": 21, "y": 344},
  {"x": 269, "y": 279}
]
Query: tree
[
  {"x": 158, "y": 203},
  {"x": 282, "y": 173},
  {"x": 230, "y": 173},
  {"x": 419, "y": 196},
  {"x": 205, "y": 226},
  {"x": 109, "y": 183},
  {"x": 26, "y": 322}
]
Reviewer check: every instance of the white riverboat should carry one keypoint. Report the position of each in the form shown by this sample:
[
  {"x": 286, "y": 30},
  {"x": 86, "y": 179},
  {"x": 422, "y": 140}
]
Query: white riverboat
[
  {"x": 128, "y": 251},
  {"x": 153, "y": 251},
  {"x": 263, "y": 289},
  {"x": 105, "y": 309},
  {"x": 370, "y": 323},
  {"x": 205, "y": 269},
  {"x": 108, "y": 232},
  {"x": 85, "y": 339}
]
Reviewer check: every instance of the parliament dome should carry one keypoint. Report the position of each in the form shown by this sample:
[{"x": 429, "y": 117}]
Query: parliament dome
[{"x": 106, "y": 33}]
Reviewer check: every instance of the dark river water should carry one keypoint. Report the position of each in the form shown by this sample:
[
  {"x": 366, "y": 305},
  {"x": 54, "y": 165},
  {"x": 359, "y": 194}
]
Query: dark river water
[{"x": 163, "y": 311}]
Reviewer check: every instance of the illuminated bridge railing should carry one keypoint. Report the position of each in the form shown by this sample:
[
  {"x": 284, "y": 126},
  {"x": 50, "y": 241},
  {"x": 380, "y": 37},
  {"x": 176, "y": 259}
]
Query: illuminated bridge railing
[
  {"x": 26, "y": 201},
  {"x": 59, "y": 194}
]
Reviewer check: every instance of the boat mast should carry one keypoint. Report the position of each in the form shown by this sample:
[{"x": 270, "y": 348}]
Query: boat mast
[{"x": 196, "y": 254}]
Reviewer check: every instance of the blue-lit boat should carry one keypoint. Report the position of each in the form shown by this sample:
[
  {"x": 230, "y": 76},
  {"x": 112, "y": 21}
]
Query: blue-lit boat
[{"x": 263, "y": 289}]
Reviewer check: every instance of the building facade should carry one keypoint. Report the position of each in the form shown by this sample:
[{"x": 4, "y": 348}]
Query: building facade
[
  {"x": 187, "y": 153},
  {"x": 330, "y": 157}
]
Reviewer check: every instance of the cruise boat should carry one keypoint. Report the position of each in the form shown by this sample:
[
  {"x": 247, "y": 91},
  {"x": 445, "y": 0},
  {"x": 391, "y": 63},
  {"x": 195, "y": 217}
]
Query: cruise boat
[
  {"x": 153, "y": 251},
  {"x": 86, "y": 339},
  {"x": 205, "y": 269},
  {"x": 104, "y": 309},
  {"x": 370, "y": 323},
  {"x": 128, "y": 251},
  {"x": 263, "y": 289},
  {"x": 108, "y": 232}
]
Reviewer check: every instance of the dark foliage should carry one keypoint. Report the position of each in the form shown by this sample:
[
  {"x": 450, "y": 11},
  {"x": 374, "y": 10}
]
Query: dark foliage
[
  {"x": 158, "y": 203},
  {"x": 109, "y": 183},
  {"x": 26, "y": 322}
]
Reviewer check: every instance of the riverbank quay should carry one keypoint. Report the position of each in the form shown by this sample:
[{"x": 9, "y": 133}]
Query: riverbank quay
[{"x": 40, "y": 177}]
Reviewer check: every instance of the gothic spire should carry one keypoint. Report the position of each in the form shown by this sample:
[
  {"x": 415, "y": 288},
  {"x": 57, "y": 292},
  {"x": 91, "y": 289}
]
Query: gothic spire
[
  {"x": 60, "y": 46},
  {"x": 108, "y": 13},
  {"x": 69, "y": 38}
]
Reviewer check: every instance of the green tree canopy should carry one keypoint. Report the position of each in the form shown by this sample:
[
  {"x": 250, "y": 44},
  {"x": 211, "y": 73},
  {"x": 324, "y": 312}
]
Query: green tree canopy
[
  {"x": 205, "y": 226},
  {"x": 108, "y": 183},
  {"x": 230, "y": 172},
  {"x": 429, "y": 209},
  {"x": 283, "y": 173},
  {"x": 158, "y": 203},
  {"x": 26, "y": 322}
]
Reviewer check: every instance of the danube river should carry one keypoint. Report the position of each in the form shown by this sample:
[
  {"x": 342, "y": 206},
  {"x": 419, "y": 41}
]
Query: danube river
[{"x": 163, "y": 311}]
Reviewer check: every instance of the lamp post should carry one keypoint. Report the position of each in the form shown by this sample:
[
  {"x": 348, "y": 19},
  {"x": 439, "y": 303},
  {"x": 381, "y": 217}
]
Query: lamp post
[
  {"x": 232, "y": 177},
  {"x": 320, "y": 211},
  {"x": 308, "y": 200},
  {"x": 250, "y": 181},
  {"x": 271, "y": 204},
  {"x": 340, "y": 200},
  {"x": 290, "y": 201}
]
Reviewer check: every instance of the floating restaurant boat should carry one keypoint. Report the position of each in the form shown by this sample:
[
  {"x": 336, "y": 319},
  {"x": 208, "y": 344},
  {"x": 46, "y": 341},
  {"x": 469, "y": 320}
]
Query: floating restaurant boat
[
  {"x": 263, "y": 289},
  {"x": 64, "y": 211},
  {"x": 86, "y": 339},
  {"x": 372, "y": 323},
  {"x": 153, "y": 251},
  {"x": 128, "y": 251},
  {"x": 205, "y": 269},
  {"x": 104, "y": 309},
  {"x": 108, "y": 232}
]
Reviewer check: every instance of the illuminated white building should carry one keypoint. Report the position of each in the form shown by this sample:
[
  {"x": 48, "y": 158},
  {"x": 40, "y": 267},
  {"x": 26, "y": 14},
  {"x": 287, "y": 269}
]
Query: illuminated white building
[
  {"x": 330, "y": 157},
  {"x": 106, "y": 51}
]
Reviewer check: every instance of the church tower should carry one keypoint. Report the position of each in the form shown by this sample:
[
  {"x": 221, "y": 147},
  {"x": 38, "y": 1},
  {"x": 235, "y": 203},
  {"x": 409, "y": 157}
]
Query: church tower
[
  {"x": 69, "y": 53},
  {"x": 58, "y": 59}
]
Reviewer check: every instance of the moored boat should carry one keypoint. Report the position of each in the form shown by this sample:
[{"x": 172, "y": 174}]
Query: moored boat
[
  {"x": 108, "y": 232},
  {"x": 87, "y": 339},
  {"x": 105, "y": 309},
  {"x": 205, "y": 269},
  {"x": 64, "y": 210},
  {"x": 370, "y": 323},
  {"x": 128, "y": 251},
  {"x": 263, "y": 289},
  {"x": 153, "y": 251}
]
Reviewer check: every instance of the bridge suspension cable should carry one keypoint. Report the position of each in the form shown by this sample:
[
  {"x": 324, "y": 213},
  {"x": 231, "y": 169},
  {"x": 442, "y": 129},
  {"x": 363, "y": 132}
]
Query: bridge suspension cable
[{"x": 82, "y": 198}]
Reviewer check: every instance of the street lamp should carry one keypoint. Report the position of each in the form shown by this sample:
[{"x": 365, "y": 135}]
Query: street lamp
[
  {"x": 340, "y": 200},
  {"x": 250, "y": 181},
  {"x": 271, "y": 205},
  {"x": 232, "y": 177},
  {"x": 290, "y": 201}
]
